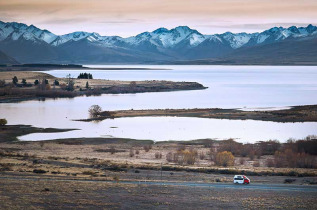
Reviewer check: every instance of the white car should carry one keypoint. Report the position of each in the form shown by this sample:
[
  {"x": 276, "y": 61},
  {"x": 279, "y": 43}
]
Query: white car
[{"x": 241, "y": 179}]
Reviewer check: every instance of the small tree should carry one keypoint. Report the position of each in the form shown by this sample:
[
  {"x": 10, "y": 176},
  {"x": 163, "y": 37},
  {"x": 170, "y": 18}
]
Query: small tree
[
  {"x": 56, "y": 82},
  {"x": 3, "y": 121},
  {"x": 131, "y": 154},
  {"x": 43, "y": 85},
  {"x": 2, "y": 83},
  {"x": 15, "y": 80},
  {"x": 24, "y": 81},
  {"x": 94, "y": 110},
  {"x": 36, "y": 82},
  {"x": 87, "y": 85},
  {"x": 224, "y": 158},
  {"x": 71, "y": 83}
]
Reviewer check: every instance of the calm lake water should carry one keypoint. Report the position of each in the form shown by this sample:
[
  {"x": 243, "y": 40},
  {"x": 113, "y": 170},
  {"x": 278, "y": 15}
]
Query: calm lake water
[{"x": 246, "y": 87}]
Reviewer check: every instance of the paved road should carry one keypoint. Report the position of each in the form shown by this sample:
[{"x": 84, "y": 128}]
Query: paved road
[
  {"x": 252, "y": 186},
  {"x": 275, "y": 187}
]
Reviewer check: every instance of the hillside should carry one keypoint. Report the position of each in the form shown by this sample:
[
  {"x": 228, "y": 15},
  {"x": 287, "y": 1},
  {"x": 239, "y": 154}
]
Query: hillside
[{"x": 5, "y": 59}]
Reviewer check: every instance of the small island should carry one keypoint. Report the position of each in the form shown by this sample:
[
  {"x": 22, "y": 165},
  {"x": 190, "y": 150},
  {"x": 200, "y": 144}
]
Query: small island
[{"x": 306, "y": 113}]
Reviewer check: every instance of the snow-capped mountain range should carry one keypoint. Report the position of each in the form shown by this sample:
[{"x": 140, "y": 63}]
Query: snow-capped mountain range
[{"x": 180, "y": 43}]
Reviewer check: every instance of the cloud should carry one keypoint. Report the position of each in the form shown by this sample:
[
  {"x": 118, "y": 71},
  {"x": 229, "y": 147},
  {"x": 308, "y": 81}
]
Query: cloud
[
  {"x": 63, "y": 20},
  {"x": 123, "y": 21}
]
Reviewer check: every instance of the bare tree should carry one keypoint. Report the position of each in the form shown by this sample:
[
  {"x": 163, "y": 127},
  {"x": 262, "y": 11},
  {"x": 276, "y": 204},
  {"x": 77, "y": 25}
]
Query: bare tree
[
  {"x": 70, "y": 82},
  {"x": 94, "y": 110}
]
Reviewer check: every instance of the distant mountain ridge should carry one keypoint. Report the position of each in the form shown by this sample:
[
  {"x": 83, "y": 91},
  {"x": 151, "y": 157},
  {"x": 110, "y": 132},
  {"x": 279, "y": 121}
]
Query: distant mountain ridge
[{"x": 29, "y": 44}]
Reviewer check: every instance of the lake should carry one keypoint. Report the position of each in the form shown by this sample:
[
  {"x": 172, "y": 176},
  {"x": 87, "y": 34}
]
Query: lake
[{"x": 245, "y": 87}]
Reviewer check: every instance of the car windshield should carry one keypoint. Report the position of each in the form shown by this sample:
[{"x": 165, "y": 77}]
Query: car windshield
[{"x": 238, "y": 178}]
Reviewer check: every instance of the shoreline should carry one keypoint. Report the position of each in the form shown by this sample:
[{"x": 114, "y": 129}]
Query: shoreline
[
  {"x": 306, "y": 113},
  {"x": 26, "y": 68},
  {"x": 10, "y": 133},
  {"x": 81, "y": 87}
]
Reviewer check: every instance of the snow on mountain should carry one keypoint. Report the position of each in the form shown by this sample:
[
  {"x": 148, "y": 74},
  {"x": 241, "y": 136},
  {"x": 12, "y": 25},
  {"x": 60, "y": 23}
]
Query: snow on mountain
[
  {"x": 196, "y": 39},
  {"x": 261, "y": 38},
  {"x": 162, "y": 38},
  {"x": 75, "y": 36},
  {"x": 236, "y": 40},
  {"x": 14, "y": 31}
]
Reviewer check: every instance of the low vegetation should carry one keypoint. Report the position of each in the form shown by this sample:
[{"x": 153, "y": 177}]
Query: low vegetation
[
  {"x": 3, "y": 121},
  {"x": 225, "y": 159}
]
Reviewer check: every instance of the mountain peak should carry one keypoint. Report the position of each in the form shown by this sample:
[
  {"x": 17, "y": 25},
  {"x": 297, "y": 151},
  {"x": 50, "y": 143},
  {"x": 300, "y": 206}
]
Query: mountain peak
[
  {"x": 183, "y": 28},
  {"x": 310, "y": 28},
  {"x": 293, "y": 29},
  {"x": 160, "y": 30}
]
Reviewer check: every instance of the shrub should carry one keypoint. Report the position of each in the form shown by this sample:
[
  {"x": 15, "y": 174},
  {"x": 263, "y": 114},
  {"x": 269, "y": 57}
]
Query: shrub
[
  {"x": 112, "y": 150},
  {"x": 181, "y": 147},
  {"x": 158, "y": 155},
  {"x": 231, "y": 146},
  {"x": 90, "y": 173},
  {"x": 116, "y": 178},
  {"x": 242, "y": 161},
  {"x": 137, "y": 151},
  {"x": 224, "y": 158},
  {"x": 288, "y": 181},
  {"x": 251, "y": 155},
  {"x": 169, "y": 157},
  {"x": 56, "y": 82},
  {"x": 24, "y": 81},
  {"x": 3, "y": 121},
  {"x": 270, "y": 162},
  {"x": 131, "y": 152},
  {"x": 39, "y": 171},
  {"x": 2, "y": 83},
  {"x": 94, "y": 110},
  {"x": 202, "y": 156},
  {"x": 256, "y": 164},
  {"x": 15, "y": 80},
  {"x": 147, "y": 148},
  {"x": 288, "y": 158},
  {"x": 182, "y": 157},
  {"x": 268, "y": 147}
]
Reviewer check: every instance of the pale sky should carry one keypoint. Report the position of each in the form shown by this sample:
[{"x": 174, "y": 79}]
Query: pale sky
[{"x": 130, "y": 17}]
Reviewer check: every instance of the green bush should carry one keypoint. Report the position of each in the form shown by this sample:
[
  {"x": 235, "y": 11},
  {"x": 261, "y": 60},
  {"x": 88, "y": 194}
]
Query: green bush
[{"x": 3, "y": 121}]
